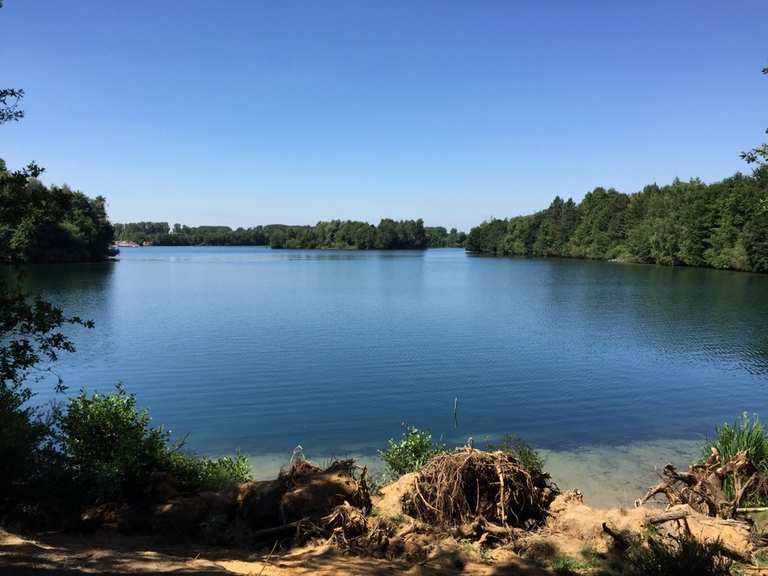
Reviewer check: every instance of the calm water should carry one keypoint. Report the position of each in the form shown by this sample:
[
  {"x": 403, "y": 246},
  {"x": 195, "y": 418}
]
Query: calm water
[{"x": 264, "y": 350}]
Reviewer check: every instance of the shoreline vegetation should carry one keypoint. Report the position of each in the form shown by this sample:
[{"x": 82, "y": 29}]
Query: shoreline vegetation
[
  {"x": 719, "y": 225},
  {"x": 334, "y": 234},
  {"x": 722, "y": 225},
  {"x": 41, "y": 223}
]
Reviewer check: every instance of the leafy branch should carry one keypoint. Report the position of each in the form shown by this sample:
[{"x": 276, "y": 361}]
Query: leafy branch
[{"x": 758, "y": 154}]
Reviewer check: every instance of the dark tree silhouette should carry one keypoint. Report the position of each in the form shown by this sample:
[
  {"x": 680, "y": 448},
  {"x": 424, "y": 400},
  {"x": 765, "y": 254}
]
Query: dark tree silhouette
[{"x": 10, "y": 99}]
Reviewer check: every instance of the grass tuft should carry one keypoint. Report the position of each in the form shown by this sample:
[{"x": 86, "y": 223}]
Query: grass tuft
[{"x": 748, "y": 434}]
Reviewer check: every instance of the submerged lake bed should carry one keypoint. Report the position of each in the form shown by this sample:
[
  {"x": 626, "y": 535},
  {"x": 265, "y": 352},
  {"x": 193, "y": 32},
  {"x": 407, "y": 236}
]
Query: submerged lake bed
[{"x": 608, "y": 368}]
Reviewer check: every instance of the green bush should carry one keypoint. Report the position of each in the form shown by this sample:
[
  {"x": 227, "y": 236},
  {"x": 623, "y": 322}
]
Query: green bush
[
  {"x": 109, "y": 445},
  {"x": 522, "y": 451},
  {"x": 196, "y": 473},
  {"x": 112, "y": 451},
  {"x": 409, "y": 453}
]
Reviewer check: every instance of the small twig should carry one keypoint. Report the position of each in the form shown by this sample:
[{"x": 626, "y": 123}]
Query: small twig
[{"x": 269, "y": 556}]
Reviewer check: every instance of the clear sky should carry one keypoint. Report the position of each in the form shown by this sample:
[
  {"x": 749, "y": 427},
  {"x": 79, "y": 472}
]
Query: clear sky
[{"x": 254, "y": 112}]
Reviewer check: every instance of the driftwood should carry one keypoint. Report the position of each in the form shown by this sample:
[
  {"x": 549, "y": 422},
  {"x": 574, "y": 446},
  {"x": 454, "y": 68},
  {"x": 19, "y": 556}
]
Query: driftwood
[
  {"x": 669, "y": 516},
  {"x": 703, "y": 486}
]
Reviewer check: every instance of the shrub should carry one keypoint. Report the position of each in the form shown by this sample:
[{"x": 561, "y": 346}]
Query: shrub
[
  {"x": 22, "y": 434},
  {"x": 684, "y": 556},
  {"x": 521, "y": 451},
  {"x": 109, "y": 445},
  {"x": 112, "y": 451},
  {"x": 409, "y": 453},
  {"x": 31, "y": 335},
  {"x": 196, "y": 473}
]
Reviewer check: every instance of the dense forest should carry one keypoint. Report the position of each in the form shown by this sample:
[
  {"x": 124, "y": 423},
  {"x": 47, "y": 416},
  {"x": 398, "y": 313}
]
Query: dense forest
[
  {"x": 439, "y": 237},
  {"x": 340, "y": 234},
  {"x": 718, "y": 225},
  {"x": 49, "y": 224},
  {"x": 161, "y": 234}
]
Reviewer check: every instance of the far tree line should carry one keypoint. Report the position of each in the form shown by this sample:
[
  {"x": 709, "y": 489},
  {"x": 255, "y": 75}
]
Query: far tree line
[
  {"x": 718, "y": 225},
  {"x": 337, "y": 234}
]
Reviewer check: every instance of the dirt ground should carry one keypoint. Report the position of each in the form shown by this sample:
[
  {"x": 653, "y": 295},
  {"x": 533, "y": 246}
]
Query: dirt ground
[
  {"x": 60, "y": 555},
  {"x": 572, "y": 530}
]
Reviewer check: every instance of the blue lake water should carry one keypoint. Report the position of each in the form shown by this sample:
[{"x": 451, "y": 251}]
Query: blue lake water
[{"x": 262, "y": 350}]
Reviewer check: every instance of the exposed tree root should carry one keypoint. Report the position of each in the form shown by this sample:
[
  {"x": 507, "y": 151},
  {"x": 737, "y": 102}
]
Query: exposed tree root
[
  {"x": 703, "y": 486},
  {"x": 461, "y": 487}
]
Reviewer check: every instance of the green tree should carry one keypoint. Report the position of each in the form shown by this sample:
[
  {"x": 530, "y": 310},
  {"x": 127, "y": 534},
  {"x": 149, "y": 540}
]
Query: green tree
[
  {"x": 720, "y": 225},
  {"x": 41, "y": 224},
  {"x": 31, "y": 340}
]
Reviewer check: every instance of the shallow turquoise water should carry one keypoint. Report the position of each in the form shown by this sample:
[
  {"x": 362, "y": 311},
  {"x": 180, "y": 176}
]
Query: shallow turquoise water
[{"x": 263, "y": 350}]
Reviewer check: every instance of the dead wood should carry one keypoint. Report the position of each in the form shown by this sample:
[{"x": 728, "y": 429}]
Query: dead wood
[
  {"x": 703, "y": 486},
  {"x": 669, "y": 516},
  {"x": 621, "y": 540}
]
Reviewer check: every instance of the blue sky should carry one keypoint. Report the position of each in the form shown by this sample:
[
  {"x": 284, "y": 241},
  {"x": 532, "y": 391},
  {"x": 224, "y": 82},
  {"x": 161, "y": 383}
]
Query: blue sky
[{"x": 250, "y": 112}]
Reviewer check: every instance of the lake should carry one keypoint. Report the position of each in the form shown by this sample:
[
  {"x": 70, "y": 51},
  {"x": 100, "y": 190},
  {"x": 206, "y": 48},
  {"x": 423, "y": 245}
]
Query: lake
[{"x": 262, "y": 350}]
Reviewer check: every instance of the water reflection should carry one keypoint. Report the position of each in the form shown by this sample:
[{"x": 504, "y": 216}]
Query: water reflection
[
  {"x": 263, "y": 350},
  {"x": 694, "y": 315}
]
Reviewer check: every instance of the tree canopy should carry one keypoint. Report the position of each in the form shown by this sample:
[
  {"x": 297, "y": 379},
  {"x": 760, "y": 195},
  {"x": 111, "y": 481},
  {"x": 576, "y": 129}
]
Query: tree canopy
[
  {"x": 348, "y": 234},
  {"x": 339, "y": 234},
  {"x": 719, "y": 225},
  {"x": 440, "y": 237},
  {"x": 49, "y": 224}
]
